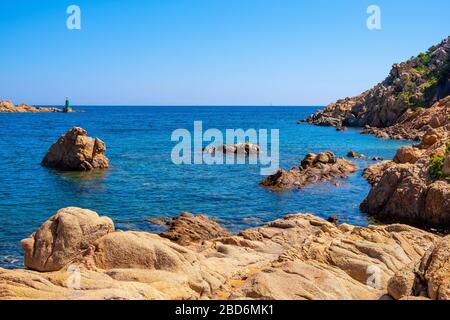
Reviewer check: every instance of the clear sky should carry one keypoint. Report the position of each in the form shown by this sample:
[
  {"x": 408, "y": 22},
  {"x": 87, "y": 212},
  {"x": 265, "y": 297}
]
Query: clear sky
[{"x": 207, "y": 52}]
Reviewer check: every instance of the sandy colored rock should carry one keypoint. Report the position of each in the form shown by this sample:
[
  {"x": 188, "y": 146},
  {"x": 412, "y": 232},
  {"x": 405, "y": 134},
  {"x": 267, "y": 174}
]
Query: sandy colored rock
[
  {"x": 65, "y": 238},
  {"x": 435, "y": 269},
  {"x": 75, "y": 151},
  {"x": 314, "y": 168},
  {"x": 9, "y": 107},
  {"x": 407, "y": 155},
  {"x": 402, "y": 284},
  {"x": 187, "y": 228},
  {"x": 297, "y": 257},
  {"x": 137, "y": 250}
]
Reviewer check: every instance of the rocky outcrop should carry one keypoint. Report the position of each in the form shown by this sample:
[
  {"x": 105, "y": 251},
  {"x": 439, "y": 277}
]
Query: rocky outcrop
[
  {"x": 314, "y": 168},
  {"x": 417, "y": 83},
  {"x": 75, "y": 151},
  {"x": 414, "y": 124},
  {"x": 187, "y": 228},
  {"x": 405, "y": 190},
  {"x": 243, "y": 149},
  {"x": 296, "y": 257},
  {"x": 9, "y": 107}
]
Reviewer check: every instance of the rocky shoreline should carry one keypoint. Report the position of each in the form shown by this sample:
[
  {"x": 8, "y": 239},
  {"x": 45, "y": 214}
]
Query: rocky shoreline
[
  {"x": 9, "y": 107},
  {"x": 413, "y": 102},
  {"x": 77, "y": 254}
]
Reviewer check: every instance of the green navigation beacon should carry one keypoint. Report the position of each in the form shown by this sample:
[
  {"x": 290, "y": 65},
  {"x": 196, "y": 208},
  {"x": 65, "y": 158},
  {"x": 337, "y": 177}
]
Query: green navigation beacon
[{"x": 67, "y": 107}]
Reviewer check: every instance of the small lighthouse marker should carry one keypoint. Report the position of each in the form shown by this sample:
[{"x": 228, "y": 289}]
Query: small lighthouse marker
[{"x": 67, "y": 107}]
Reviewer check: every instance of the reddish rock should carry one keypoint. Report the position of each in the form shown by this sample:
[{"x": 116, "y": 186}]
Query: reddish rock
[
  {"x": 314, "y": 168},
  {"x": 75, "y": 151}
]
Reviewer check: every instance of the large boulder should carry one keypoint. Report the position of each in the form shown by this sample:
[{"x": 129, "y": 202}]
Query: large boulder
[
  {"x": 65, "y": 238},
  {"x": 407, "y": 155},
  {"x": 75, "y": 151},
  {"x": 138, "y": 250},
  {"x": 313, "y": 168}
]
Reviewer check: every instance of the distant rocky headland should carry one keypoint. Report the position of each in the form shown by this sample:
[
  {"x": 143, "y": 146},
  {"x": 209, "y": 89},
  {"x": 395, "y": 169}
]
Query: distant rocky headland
[
  {"x": 411, "y": 86},
  {"x": 9, "y": 107}
]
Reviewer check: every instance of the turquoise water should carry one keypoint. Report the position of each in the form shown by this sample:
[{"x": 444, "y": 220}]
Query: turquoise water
[{"x": 143, "y": 183}]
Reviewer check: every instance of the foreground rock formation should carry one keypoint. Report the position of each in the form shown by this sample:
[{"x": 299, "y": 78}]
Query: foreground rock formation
[
  {"x": 296, "y": 257},
  {"x": 314, "y": 168},
  {"x": 75, "y": 151},
  {"x": 417, "y": 83},
  {"x": 9, "y": 107}
]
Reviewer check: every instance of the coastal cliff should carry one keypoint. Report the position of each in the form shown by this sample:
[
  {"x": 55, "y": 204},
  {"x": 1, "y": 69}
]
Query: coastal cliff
[
  {"x": 413, "y": 102},
  {"x": 77, "y": 254},
  {"x": 414, "y": 187},
  {"x": 417, "y": 83}
]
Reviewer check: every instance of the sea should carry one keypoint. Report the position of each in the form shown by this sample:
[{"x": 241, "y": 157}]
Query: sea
[{"x": 143, "y": 182}]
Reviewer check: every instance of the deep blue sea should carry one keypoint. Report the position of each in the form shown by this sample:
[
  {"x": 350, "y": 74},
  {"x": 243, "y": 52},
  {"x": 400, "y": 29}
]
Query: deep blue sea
[{"x": 143, "y": 182}]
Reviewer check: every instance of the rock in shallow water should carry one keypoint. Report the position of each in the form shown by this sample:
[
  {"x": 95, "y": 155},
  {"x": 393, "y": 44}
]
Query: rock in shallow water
[
  {"x": 241, "y": 149},
  {"x": 314, "y": 168},
  {"x": 75, "y": 151}
]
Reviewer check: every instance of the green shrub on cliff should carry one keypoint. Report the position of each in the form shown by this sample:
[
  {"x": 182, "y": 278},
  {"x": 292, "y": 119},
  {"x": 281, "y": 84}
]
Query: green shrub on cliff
[{"x": 437, "y": 167}]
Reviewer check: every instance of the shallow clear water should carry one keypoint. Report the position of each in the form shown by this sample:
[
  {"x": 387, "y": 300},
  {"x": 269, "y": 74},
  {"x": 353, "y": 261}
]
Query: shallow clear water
[{"x": 143, "y": 183}]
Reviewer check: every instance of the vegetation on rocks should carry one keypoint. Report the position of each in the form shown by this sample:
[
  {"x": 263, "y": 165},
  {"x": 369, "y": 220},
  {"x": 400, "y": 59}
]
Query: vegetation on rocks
[{"x": 437, "y": 167}]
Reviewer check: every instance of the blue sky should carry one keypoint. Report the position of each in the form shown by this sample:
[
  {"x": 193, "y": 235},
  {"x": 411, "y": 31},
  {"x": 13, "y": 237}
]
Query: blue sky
[{"x": 207, "y": 52}]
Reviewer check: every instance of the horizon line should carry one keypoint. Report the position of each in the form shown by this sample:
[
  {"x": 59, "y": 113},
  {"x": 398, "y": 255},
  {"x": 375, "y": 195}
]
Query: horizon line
[{"x": 178, "y": 105}]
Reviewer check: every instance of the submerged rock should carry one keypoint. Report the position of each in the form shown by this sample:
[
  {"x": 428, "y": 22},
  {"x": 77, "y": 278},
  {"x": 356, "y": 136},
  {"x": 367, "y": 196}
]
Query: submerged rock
[
  {"x": 314, "y": 168},
  {"x": 356, "y": 155},
  {"x": 297, "y": 257},
  {"x": 75, "y": 151}
]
